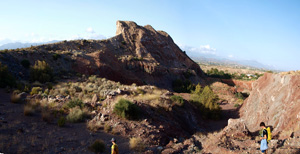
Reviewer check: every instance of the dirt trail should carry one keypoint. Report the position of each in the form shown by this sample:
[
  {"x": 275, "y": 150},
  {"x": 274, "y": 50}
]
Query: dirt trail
[{"x": 30, "y": 134}]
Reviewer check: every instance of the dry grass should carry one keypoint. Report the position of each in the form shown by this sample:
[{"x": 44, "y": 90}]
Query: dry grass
[{"x": 137, "y": 144}]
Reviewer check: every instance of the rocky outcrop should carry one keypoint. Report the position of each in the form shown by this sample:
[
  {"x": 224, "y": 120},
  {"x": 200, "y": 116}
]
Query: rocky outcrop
[
  {"x": 275, "y": 99},
  {"x": 140, "y": 55}
]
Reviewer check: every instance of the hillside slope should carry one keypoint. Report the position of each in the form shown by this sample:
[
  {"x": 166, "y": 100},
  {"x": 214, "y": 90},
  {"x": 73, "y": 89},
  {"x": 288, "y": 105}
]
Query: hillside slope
[{"x": 136, "y": 54}]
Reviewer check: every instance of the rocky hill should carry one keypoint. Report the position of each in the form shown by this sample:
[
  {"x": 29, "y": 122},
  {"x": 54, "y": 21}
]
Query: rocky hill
[{"x": 136, "y": 54}]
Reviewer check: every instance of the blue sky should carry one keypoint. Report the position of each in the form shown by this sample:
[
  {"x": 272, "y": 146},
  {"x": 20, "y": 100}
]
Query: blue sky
[{"x": 267, "y": 31}]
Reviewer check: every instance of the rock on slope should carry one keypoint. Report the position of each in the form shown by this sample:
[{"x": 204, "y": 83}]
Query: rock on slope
[
  {"x": 136, "y": 54},
  {"x": 275, "y": 99}
]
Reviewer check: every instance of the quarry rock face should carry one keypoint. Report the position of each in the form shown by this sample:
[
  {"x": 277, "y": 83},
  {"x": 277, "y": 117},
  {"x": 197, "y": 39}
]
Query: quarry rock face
[
  {"x": 140, "y": 55},
  {"x": 275, "y": 100}
]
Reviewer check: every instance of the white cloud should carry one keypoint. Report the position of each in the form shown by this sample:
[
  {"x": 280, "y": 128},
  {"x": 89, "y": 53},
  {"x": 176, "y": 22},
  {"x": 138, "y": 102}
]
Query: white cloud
[
  {"x": 230, "y": 56},
  {"x": 90, "y": 30},
  {"x": 202, "y": 49}
]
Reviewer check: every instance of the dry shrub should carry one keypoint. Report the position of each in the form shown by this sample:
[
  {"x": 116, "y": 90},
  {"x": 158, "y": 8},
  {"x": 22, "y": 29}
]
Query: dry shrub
[
  {"x": 47, "y": 115},
  {"x": 94, "y": 125},
  {"x": 15, "y": 98},
  {"x": 77, "y": 114},
  {"x": 97, "y": 147},
  {"x": 107, "y": 128},
  {"x": 29, "y": 109},
  {"x": 136, "y": 144}
]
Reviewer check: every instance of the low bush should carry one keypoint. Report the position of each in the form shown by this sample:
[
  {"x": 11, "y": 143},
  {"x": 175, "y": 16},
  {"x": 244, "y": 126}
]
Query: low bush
[
  {"x": 56, "y": 56},
  {"x": 6, "y": 79},
  {"x": 97, "y": 147},
  {"x": 177, "y": 99},
  {"x": 61, "y": 121},
  {"x": 76, "y": 115},
  {"x": 41, "y": 71},
  {"x": 36, "y": 90},
  {"x": 136, "y": 144},
  {"x": 15, "y": 98},
  {"x": 75, "y": 102},
  {"x": 126, "y": 109},
  {"x": 25, "y": 63}
]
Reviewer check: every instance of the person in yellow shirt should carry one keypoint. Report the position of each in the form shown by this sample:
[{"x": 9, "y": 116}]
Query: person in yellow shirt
[{"x": 114, "y": 147}]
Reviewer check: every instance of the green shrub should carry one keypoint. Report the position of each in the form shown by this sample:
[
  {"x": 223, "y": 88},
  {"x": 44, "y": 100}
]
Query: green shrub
[
  {"x": 207, "y": 103},
  {"x": 41, "y": 72},
  {"x": 183, "y": 86},
  {"x": 239, "y": 95},
  {"x": 236, "y": 105},
  {"x": 126, "y": 109},
  {"x": 61, "y": 121},
  {"x": 56, "y": 56},
  {"x": 177, "y": 99},
  {"x": 25, "y": 63},
  {"x": 75, "y": 102},
  {"x": 76, "y": 115},
  {"x": 36, "y": 90},
  {"x": 6, "y": 79},
  {"x": 97, "y": 147}
]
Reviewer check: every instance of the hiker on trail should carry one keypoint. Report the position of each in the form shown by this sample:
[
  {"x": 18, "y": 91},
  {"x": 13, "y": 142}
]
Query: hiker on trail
[
  {"x": 114, "y": 147},
  {"x": 263, "y": 138}
]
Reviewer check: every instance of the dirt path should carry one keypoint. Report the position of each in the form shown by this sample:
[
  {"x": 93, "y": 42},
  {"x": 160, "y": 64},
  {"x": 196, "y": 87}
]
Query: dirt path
[{"x": 30, "y": 134}]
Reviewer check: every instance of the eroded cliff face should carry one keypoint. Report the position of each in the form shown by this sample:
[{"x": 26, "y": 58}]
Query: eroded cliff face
[{"x": 275, "y": 100}]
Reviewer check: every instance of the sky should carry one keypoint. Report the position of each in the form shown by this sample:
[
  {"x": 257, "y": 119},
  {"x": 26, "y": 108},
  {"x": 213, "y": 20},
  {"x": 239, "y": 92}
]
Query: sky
[{"x": 267, "y": 31}]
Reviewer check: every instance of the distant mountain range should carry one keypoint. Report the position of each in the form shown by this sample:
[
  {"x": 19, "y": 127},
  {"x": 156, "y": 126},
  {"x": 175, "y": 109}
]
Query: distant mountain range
[{"x": 16, "y": 45}]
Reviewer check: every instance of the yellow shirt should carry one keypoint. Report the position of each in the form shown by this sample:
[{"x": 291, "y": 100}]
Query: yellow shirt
[{"x": 114, "y": 149}]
